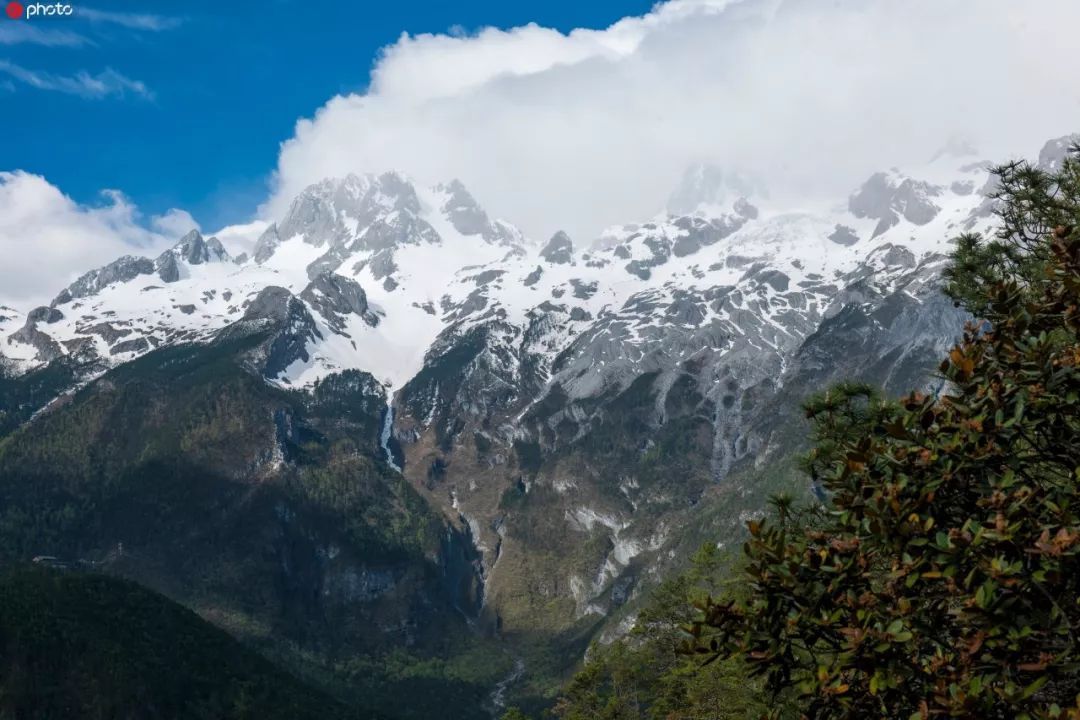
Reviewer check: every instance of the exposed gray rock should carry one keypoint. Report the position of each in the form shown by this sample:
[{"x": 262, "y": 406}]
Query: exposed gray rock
[
  {"x": 578, "y": 314},
  {"x": 313, "y": 215},
  {"x": 894, "y": 256},
  {"x": 47, "y": 315},
  {"x": 266, "y": 244},
  {"x": 584, "y": 290},
  {"x": 329, "y": 261},
  {"x": 487, "y": 276},
  {"x": 639, "y": 268},
  {"x": 382, "y": 264},
  {"x": 82, "y": 349},
  {"x": 396, "y": 231},
  {"x": 912, "y": 199},
  {"x": 47, "y": 348},
  {"x": 844, "y": 235},
  {"x": 559, "y": 249},
  {"x": 135, "y": 345},
  {"x": 474, "y": 303},
  {"x": 426, "y": 307},
  {"x": 532, "y": 278},
  {"x": 389, "y": 185},
  {"x": 464, "y": 213},
  {"x": 122, "y": 270},
  {"x": 167, "y": 268},
  {"x": 685, "y": 310},
  {"x": 882, "y": 199},
  {"x": 194, "y": 249},
  {"x": 288, "y": 328},
  {"x": 108, "y": 332},
  {"x": 775, "y": 279},
  {"x": 743, "y": 207},
  {"x": 1054, "y": 152},
  {"x": 334, "y": 296}
]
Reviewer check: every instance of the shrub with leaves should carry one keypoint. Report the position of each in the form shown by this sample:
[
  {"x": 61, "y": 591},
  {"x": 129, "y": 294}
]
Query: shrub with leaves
[{"x": 943, "y": 577}]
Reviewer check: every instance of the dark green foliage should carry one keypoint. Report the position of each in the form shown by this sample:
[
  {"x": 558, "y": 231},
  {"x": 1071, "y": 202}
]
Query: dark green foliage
[
  {"x": 268, "y": 511},
  {"x": 514, "y": 714},
  {"x": 529, "y": 456},
  {"x": 645, "y": 676},
  {"x": 943, "y": 580},
  {"x": 21, "y": 397},
  {"x": 89, "y": 646},
  {"x": 1032, "y": 203},
  {"x": 405, "y": 686}
]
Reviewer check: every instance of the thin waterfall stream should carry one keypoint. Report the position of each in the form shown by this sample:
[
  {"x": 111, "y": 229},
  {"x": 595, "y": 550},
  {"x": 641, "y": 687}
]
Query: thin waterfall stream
[{"x": 387, "y": 433}]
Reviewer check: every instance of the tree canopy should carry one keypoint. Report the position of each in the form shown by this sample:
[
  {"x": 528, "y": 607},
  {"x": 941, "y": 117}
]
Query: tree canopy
[{"x": 942, "y": 578}]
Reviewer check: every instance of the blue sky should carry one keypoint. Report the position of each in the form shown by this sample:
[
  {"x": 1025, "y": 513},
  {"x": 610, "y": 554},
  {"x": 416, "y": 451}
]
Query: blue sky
[{"x": 185, "y": 104}]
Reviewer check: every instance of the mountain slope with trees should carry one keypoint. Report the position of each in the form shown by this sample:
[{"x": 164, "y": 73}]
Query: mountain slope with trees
[
  {"x": 79, "y": 645},
  {"x": 943, "y": 577}
]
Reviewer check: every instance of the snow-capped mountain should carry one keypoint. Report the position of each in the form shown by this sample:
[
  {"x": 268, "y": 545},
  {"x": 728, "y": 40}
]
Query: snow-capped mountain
[
  {"x": 395, "y": 239},
  {"x": 562, "y": 397},
  {"x": 385, "y": 267}
]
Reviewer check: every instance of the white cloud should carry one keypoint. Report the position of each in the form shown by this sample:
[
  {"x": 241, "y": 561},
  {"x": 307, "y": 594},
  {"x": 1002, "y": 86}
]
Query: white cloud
[
  {"x": 24, "y": 33},
  {"x": 106, "y": 83},
  {"x": 47, "y": 240},
  {"x": 133, "y": 21},
  {"x": 241, "y": 239},
  {"x": 175, "y": 223},
  {"x": 589, "y": 128}
]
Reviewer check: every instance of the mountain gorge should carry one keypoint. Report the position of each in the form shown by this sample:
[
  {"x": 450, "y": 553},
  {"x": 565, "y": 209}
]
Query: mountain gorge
[{"x": 400, "y": 425}]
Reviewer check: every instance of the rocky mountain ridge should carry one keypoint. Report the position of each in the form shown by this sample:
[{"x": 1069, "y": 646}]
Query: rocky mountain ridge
[{"x": 582, "y": 412}]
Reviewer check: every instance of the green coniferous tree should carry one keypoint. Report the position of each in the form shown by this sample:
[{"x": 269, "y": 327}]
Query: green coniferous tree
[{"x": 943, "y": 578}]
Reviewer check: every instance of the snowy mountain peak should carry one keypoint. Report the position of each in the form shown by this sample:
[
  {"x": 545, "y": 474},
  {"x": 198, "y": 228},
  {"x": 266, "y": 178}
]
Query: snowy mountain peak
[
  {"x": 1053, "y": 152},
  {"x": 192, "y": 249},
  {"x": 707, "y": 190},
  {"x": 377, "y": 273},
  {"x": 886, "y": 197},
  {"x": 956, "y": 147},
  {"x": 121, "y": 270}
]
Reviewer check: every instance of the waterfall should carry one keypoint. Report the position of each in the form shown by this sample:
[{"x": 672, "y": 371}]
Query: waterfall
[
  {"x": 387, "y": 431},
  {"x": 497, "y": 699}
]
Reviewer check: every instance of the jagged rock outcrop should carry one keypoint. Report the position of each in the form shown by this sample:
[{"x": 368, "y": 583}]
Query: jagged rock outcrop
[
  {"x": 192, "y": 249},
  {"x": 334, "y": 297},
  {"x": 118, "y": 271},
  {"x": 887, "y": 198},
  {"x": 287, "y": 326},
  {"x": 559, "y": 249}
]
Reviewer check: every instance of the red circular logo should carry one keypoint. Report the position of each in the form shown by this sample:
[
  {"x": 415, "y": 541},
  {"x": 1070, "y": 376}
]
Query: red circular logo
[{"x": 14, "y": 10}]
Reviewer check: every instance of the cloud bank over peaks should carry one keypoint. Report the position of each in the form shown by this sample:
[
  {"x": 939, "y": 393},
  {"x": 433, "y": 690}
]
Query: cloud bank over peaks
[
  {"x": 47, "y": 239},
  {"x": 584, "y": 129}
]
